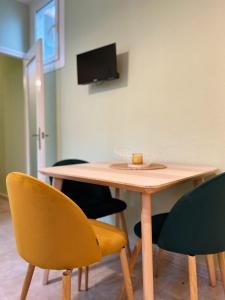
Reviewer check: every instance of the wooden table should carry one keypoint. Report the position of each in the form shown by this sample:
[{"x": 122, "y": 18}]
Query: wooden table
[{"x": 146, "y": 182}]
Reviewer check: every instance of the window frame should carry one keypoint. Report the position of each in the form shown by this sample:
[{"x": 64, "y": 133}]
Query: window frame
[{"x": 60, "y": 61}]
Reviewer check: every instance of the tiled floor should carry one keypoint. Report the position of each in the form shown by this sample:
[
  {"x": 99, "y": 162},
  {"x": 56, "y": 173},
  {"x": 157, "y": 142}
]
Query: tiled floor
[{"x": 105, "y": 278}]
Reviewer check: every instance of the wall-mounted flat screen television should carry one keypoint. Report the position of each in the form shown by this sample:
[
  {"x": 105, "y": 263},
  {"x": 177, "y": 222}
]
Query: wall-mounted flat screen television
[{"x": 97, "y": 65}]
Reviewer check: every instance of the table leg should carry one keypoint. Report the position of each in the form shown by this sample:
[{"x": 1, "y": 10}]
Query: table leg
[
  {"x": 57, "y": 183},
  {"x": 117, "y": 193},
  {"x": 147, "y": 256}
]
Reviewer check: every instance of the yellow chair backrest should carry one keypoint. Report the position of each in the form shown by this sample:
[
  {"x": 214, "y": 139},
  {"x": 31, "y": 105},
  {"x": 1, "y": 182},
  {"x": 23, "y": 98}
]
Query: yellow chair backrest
[{"x": 51, "y": 231}]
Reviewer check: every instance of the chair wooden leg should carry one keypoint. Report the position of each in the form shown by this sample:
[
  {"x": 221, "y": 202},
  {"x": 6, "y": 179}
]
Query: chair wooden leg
[
  {"x": 120, "y": 220},
  {"x": 158, "y": 260},
  {"x": 133, "y": 259},
  {"x": 117, "y": 217},
  {"x": 66, "y": 282},
  {"x": 79, "y": 278},
  {"x": 86, "y": 277},
  {"x": 45, "y": 277},
  {"x": 211, "y": 270},
  {"x": 193, "y": 278},
  {"x": 117, "y": 220},
  {"x": 124, "y": 227},
  {"x": 222, "y": 267},
  {"x": 126, "y": 274},
  {"x": 136, "y": 251},
  {"x": 27, "y": 281}
]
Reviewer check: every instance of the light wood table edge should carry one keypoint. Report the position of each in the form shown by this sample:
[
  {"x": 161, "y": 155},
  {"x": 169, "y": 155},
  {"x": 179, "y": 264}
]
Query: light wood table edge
[{"x": 134, "y": 188}]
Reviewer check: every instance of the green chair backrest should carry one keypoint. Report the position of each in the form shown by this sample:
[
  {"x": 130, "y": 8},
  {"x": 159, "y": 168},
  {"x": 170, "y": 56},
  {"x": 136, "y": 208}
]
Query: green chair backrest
[{"x": 196, "y": 223}]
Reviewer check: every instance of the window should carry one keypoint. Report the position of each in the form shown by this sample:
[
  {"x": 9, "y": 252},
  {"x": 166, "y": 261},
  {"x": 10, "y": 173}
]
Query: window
[
  {"x": 46, "y": 28},
  {"x": 48, "y": 25}
]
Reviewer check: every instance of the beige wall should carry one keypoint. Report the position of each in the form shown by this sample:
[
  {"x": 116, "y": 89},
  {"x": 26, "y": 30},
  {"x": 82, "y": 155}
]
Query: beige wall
[
  {"x": 170, "y": 99},
  {"x": 12, "y": 149}
]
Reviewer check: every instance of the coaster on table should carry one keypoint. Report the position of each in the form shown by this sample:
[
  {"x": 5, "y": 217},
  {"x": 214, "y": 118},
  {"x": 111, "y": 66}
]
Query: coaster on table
[{"x": 126, "y": 166}]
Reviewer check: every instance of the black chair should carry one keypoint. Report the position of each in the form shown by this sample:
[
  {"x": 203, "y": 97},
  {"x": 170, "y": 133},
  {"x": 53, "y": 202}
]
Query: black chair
[
  {"x": 96, "y": 202},
  {"x": 194, "y": 226}
]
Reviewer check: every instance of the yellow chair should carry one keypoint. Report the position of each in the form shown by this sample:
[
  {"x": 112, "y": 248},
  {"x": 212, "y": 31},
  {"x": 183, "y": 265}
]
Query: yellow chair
[{"x": 52, "y": 232}]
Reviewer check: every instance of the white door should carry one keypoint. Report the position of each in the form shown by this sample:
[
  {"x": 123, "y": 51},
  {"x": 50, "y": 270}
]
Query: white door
[{"x": 34, "y": 110}]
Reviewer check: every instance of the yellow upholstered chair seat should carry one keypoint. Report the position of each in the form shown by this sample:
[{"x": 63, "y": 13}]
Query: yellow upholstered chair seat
[{"x": 110, "y": 239}]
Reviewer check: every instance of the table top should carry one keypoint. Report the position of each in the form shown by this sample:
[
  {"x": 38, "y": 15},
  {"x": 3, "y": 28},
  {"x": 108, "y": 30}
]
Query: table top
[{"x": 135, "y": 180}]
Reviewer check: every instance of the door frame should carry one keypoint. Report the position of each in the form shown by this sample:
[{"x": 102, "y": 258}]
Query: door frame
[
  {"x": 12, "y": 52},
  {"x": 35, "y": 53}
]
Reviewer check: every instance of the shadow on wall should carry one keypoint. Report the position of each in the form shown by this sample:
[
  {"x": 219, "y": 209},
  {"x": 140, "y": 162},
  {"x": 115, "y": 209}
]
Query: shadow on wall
[{"x": 122, "y": 65}]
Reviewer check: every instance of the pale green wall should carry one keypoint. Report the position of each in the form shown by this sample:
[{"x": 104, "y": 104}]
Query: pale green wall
[
  {"x": 12, "y": 149},
  {"x": 171, "y": 99},
  {"x": 14, "y": 25},
  {"x": 14, "y": 34},
  {"x": 12, "y": 146}
]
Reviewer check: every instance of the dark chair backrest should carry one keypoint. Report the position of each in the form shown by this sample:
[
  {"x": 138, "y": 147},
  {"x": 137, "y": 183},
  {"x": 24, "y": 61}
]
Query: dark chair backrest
[
  {"x": 84, "y": 194},
  {"x": 196, "y": 223}
]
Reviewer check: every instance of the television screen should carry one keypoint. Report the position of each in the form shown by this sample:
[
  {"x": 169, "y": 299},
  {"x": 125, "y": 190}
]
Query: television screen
[{"x": 97, "y": 65}]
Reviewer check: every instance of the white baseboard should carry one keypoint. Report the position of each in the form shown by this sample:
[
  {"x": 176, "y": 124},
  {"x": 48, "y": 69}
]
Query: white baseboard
[
  {"x": 11, "y": 52},
  {"x": 4, "y": 196}
]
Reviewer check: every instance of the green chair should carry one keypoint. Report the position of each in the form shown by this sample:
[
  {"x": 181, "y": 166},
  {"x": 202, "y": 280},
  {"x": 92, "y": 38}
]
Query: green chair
[{"x": 194, "y": 226}]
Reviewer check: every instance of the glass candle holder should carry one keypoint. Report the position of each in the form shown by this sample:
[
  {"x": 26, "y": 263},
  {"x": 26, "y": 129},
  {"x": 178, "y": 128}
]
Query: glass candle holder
[{"x": 137, "y": 158}]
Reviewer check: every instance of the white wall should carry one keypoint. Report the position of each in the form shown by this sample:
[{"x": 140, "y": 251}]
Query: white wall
[{"x": 170, "y": 101}]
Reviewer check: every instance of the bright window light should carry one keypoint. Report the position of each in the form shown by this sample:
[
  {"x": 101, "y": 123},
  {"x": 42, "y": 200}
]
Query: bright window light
[{"x": 47, "y": 29}]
